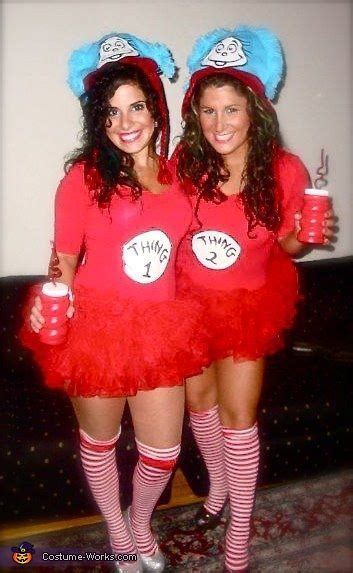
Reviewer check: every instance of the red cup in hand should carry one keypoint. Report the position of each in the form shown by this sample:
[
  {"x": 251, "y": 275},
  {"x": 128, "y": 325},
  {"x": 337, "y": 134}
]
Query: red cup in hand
[
  {"x": 316, "y": 204},
  {"x": 55, "y": 302}
]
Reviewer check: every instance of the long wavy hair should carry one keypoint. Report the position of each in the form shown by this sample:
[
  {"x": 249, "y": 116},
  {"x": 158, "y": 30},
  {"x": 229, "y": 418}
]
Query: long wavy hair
[
  {"x": 203, "y": 170},
  {"x": 105, "y": 166}
]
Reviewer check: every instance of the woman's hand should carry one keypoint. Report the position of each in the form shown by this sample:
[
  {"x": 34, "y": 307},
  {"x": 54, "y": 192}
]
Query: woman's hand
[
  {"x": 329, "y": 226},
  {"x": 61, "y": 265},
  {"x": 36, "y": 318},
  {"x": 290, "y": 243}
]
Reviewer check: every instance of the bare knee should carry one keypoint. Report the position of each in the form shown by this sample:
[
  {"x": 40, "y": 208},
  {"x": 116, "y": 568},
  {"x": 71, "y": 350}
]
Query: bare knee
[
  {"x": 97, "y": 444},
  {"x": 201, "y": 391},
  {"x": 200, "y": 399},
  {"x": 233, "y": 418},
  {"x": 239, "y": 388},
  {"x": 157, "y": 416},
  {"x": 98, "y": 417},
  {"x": 101, "y": 434}
]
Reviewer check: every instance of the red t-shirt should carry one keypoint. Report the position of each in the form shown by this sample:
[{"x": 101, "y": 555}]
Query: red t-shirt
[
  {"x": 130, "y": 248},
  {"x": 220, "y": 254}
]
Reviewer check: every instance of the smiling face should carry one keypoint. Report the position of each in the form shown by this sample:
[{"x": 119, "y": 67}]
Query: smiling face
[
  {"x": 224, "y": 120},
  {"x": 113, "y": 49},
  {"x": 129, "y": 124},
  {"x": 22, "y": 557},
  {"x": 228, "y": 52}
]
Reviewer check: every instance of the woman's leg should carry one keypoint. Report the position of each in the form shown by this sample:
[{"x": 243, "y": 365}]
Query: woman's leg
[
  {"x": 239, "y": 387},
  {"x": 99, "y": 420},
  {"x": 201, "y": 399},
  {"x": 157, "y": 416}
]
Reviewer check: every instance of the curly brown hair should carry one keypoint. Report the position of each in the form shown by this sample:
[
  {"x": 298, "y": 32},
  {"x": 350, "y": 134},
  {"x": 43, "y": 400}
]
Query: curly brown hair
[
  {"x": 203, "y": 170},
  {"x": 105, "y": 166}
]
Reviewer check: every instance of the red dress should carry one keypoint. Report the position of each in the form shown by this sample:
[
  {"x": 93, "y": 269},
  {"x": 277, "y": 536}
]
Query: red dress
[
  {"x": 128, "y": 332},
  {"x": 247, "y": 284}
]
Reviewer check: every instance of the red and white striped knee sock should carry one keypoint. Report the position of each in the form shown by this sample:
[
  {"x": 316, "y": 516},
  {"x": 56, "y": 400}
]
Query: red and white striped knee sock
[
  {"x": 99, "y": 464},
  {"x": 151, "y": 475},
  {"x": 242, "y": 461},
  {"x": 207, "y": 429}
]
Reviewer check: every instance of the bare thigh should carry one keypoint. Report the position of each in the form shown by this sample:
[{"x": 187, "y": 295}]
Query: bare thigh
[
  {"x": 201, "y": 391},
  {"x": 99, "y": 417},
  {"x": 157, "y": 416},
  {"x": 239, "y": 389}
]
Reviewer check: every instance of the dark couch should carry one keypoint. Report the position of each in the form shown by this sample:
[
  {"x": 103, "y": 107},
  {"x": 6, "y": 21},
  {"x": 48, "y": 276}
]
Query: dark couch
[{"x": 305, "y": 417}]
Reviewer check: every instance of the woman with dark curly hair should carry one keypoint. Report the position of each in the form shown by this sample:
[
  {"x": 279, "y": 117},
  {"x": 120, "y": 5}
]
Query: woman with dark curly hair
[
  {"x": 247, "y": 191},
  {"x": 129, "y": 339}
]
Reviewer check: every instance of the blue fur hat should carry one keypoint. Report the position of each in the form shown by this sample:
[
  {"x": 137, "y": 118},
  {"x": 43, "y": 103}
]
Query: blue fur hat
[
  {"x": 256, "y": 51},
  {"x": 114, "y": 47}
]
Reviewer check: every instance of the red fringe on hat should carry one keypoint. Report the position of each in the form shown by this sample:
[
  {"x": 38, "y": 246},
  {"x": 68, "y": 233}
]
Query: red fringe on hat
[{"x": 246, "y": 78}]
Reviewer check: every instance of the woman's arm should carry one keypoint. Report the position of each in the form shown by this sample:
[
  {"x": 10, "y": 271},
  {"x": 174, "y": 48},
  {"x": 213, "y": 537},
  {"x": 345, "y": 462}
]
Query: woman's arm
[
  {"x": 294, "y": 179},
  {"x": 71, "y": 204},
  {"x": 62, "y": 267},
  {"x": 291, "y": 245}
]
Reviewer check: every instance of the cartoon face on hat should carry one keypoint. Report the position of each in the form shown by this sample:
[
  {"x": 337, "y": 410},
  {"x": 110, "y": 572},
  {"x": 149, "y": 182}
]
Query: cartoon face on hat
[
  {"x": 228, "y": 52},
  {"x": 113, "y": 49},
  {"x": 242, "y": 52}
]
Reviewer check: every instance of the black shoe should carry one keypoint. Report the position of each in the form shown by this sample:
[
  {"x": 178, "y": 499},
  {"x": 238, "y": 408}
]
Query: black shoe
[{"x": 206, "y": 520}]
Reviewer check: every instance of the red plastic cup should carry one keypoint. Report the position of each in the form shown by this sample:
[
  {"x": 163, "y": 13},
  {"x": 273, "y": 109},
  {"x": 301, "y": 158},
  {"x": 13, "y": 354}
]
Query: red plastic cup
[
  {"x": 55, "y": 302},
  {"x": 316, "y": 203}
]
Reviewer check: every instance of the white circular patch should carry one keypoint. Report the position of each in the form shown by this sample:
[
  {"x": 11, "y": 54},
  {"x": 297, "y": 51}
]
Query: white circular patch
[
  {"x": 146, "y": 256},
  {"x": 215, "y": 250}
]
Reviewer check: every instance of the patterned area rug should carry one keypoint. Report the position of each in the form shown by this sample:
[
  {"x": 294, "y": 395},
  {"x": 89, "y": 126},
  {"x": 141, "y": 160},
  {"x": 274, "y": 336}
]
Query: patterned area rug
[{"x": 301, "y": 527}]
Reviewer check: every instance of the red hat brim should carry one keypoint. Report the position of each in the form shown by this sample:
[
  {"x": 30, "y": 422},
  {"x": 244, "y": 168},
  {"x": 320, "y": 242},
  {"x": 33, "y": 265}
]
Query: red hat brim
[{"x": 246, "y": 78}]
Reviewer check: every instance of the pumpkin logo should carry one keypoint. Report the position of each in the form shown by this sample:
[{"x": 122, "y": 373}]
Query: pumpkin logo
[{"x": 23, "y": 554}]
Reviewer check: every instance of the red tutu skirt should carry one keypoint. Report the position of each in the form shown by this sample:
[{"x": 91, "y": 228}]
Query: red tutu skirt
[
  {"x": 116, "y": 347},
  {"x": 248, "y": 324}
]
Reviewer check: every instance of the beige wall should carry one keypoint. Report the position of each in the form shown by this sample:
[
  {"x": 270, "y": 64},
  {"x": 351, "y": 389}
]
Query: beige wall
[{"x": 41, "y": 116}]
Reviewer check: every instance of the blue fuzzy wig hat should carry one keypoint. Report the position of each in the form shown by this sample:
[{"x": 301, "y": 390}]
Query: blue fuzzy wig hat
[
  {"x": 115, "y": 47},
  {"x": 89, "y": 62},
  {"x": 252, "y": 55}
]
